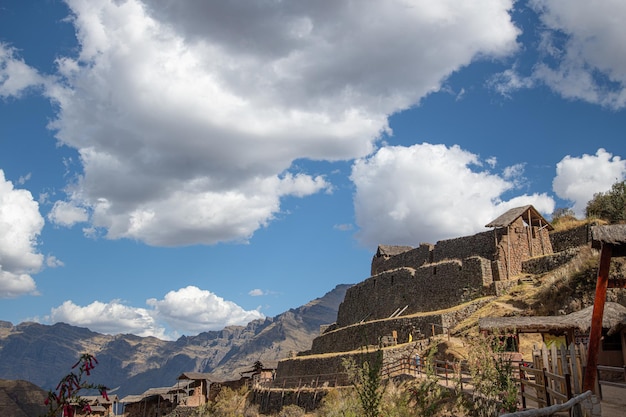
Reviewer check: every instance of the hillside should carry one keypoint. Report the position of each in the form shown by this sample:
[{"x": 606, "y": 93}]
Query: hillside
[
  {"x": 21, "y": 399},
  {"x": 42, "y": 354}
]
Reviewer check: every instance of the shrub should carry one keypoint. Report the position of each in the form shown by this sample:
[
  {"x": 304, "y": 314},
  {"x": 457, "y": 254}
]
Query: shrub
[
  {"x": 291, "y": 411},
  {"x": 491, "y": 370},
  {"x": 340, "y": 403},
  {"x": 228, "y": 403},
  {"x": 428, "y": 395},
  {"x": 367, "y": 382}
]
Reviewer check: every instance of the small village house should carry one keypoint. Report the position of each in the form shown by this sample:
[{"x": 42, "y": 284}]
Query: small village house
[
  {"x": 197, "y": 389},
  {"x": 98, "y": 405}
]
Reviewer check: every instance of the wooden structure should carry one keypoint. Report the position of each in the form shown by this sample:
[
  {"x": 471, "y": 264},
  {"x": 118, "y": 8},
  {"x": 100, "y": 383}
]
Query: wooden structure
[
  {"x": 198, "y": 386},
  {"x": 520, "y": 234},
  {"x": 571, "y": 328},
  {"x": 99, "y": 406},
  {"x": 259, "y": 374},
  {"x": 611, "y": 240}
]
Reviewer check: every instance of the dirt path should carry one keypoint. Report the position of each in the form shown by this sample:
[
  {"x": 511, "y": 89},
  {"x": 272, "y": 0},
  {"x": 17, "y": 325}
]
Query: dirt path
[{"x": 613, "y": 402}]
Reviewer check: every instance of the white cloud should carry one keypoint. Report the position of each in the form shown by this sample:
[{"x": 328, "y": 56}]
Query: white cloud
[
  {"x": 109, "y": 318},
  {"x": 581, "y": 47},
  {"x": 188, "y": 310},
  {"x": 509, "y": 81},
  {"x": 257, "y": 292},
  {"x": 345, "y": 227},
  {"x": 20, "y": 226},
  {"x": 67, "y": 214},
  {"x": 425, "y": 193},
  {"x": 15, "y": 75},
  {"x": 191, "y": 310},
  {"x": 202, "y": 107},
  {"x": 53, "y": 262},
  {"x": 579, "y": 178}
]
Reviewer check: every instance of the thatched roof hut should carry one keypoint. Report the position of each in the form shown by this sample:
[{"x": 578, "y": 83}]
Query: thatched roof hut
[
  {"x": 530, "y": 216},
  {"x": 614, "y": 319}
]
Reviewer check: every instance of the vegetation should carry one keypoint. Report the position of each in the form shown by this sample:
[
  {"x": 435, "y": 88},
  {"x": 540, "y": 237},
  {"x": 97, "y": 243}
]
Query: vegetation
[
  {"x": 428, "y": 396},
  {"x": 66, "y": 398},
  {"x": 610, "y": 205},
  {"x": 491, "y": 369},
  {"x": 368, "y": 384}
]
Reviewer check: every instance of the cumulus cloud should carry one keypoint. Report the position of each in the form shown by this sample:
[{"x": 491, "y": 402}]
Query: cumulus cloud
[
  {"x": 188, "y": 116},
  {"x": 192, "y": 310},
  {"x": 20, "y": 226},
  {"x": 188, "y": 310},
  {"x": 67, "y": 214},
  {"x": 425, "y": 193},
  {"x": 257, "y": 292},
  {"x": 109, "y": 318},
  {"x": 579, "y": 52},
  {"x": 15, "y": 75},
  {"x": 579, "y": 178}
]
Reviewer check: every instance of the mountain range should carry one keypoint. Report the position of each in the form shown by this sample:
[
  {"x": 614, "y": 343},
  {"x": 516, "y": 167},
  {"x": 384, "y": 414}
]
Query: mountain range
[{"x": 129, "y": 364}]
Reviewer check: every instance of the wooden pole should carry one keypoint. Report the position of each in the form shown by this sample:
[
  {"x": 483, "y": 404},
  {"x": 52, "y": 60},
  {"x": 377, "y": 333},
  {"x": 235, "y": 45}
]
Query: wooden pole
[
  {"x": 529, "y": 234},
  {"x": 595, "y": 333}
]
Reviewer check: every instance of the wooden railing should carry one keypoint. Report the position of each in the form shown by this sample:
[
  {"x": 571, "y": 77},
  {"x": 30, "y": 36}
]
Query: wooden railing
[
  {"x": 551, "y": 410},
  {"x": 603, "y": 370}
]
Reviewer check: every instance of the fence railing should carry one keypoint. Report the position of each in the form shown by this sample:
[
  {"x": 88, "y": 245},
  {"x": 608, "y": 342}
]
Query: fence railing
[
  {"x": 606, "y": 377},
  {"x": 553, "y": 409}
]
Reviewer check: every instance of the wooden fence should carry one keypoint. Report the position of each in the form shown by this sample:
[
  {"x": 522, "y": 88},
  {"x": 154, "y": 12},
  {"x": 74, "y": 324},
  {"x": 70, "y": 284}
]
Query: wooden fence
[{"x": 553, "y": 377}]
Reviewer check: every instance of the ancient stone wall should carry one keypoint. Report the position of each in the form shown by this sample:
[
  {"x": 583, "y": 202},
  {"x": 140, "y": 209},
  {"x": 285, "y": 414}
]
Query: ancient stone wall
[
  {"x": 481, "y": 244},
  {"x": 308, "y": 370},
  {"x": 369, "y": 333},
  {"x": 519, "y": 243},
  {"x": 549, "y": 262},
  {"x": 428, "y": 288},
  {"x": 413, "y": 258},
  {"x": 571, "y": 238}
]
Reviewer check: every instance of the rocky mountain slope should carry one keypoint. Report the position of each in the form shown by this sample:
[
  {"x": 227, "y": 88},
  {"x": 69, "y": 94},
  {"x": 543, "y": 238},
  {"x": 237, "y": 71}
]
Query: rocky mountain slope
[
  {"x": 42, "y": 354},
  {"x": 21, "y": 399}
]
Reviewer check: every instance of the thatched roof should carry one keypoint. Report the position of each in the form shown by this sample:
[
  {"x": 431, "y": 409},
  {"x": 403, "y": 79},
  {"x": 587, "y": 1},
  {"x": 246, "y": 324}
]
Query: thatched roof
[
  {"x": 614, "y": 234},
  {"x": 510, "y": 216},
  {"x": 196, "y": 376},
  {"x": 614, "y": 319},
  {"x": 391, "y": 250}
]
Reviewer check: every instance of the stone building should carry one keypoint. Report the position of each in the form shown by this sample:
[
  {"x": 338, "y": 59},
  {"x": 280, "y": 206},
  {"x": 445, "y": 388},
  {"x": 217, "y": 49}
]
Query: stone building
[{"x": 449, "y": 273}]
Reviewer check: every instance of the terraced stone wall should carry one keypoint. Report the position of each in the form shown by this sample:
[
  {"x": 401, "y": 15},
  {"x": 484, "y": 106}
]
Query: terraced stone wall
[
  {"x": 481, "y": 244},
  {"x": 413, "y": 258},
  {"x": 428, "y": 288},
  {"x": 575, "y": 237},
  {"x": 369, "y": 333}
]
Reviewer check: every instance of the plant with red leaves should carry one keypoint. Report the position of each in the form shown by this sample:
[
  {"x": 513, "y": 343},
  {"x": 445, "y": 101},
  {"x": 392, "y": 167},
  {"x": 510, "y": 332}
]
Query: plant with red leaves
[{"x": 65, "y": 398}]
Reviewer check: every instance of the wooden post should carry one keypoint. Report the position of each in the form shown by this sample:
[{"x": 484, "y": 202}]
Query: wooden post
[
  {"x": 508, "y": 249},
  {"x": 595, "y": 333},
  {"x": 529, "y": 234},
  {"x": 522, "y": 376}
]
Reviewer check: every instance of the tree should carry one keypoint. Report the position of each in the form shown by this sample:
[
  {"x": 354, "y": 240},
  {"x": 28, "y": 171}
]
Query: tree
[
  {"x": 610, "y": 205},
  {"x": 563, "y": 214}
]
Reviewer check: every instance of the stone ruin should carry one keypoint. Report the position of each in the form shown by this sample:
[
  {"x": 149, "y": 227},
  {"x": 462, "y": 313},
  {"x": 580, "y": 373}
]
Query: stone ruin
[{"x": 415, "y": 292}]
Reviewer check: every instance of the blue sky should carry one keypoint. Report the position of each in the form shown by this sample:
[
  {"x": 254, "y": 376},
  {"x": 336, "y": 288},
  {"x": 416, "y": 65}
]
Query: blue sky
[{"x": 172, "y": 167}]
